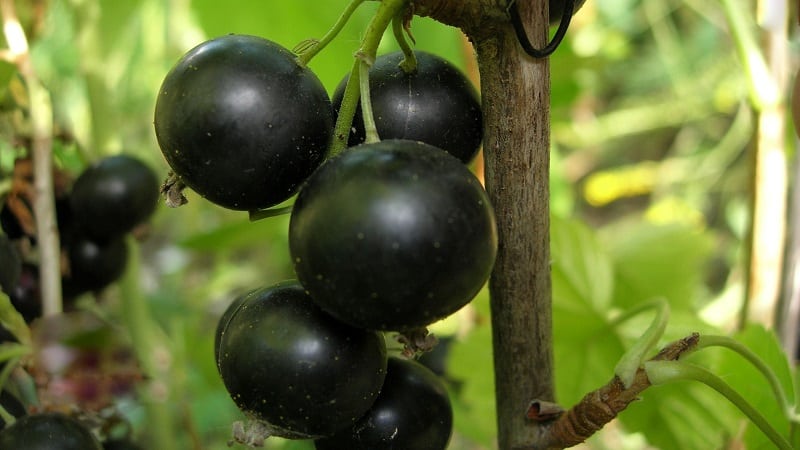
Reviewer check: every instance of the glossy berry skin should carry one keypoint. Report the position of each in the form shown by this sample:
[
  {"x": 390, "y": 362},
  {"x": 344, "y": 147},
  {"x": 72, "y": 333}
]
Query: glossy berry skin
[
  {"x": 287, "y": 363},
  {"x": 412, "y": 412},
  {"x": 114, "y": 195},
  {"x": 94, "y": 265},
  {"x": 392, "y": 236},
  {"x": 241, "y": 122},
  {"x": 436, "y": 104},
  {"x": 50, "y": 431},
  {"x": 557, "y": 9}
]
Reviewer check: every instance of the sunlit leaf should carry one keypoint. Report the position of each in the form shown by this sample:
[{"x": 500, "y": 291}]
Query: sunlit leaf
[
  {"x": 470, "y": 366},
  {"x": 658, "y": 261},
  {"x": 581, "y": 267}
]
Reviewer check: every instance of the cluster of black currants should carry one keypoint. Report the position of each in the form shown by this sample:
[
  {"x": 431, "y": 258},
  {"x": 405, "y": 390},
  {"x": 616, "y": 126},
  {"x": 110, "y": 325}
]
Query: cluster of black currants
[
  {"x": 94, "y": 215},
  {"x": 386, "y": 236}
]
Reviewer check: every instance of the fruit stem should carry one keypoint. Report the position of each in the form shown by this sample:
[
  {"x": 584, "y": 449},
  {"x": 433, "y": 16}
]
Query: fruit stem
[
  {"x": 387, "y": 11},
  {"x": 409, "y": 62},
  {"x": 347, "y": 110},
  {"x": 356, "y": 87},
  {"x": 317, "y": 47},
  {"x": 661, "y": 372},
  {"x": 758, "y": 363},
  {"x": 632, "y": 359},
  {"x": 370, "y": 129}
]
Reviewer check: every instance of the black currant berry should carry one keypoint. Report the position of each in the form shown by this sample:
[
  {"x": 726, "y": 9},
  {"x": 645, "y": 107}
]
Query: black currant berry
[
  {"x": 412, "y": 412},
  {"x": 290, "y": 365},
  {"x": 94, "y": 265},
  {"x": 114, "y": 195},
  {"x": 392, "y": 236},
  {"x": 436, "y": 104},
  {"x": 241, "y": 122},
  {"x": 49, "y": 431}
]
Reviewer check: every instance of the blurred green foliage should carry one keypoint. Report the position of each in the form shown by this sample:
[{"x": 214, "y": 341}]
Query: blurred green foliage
[{"x": 650, "y": 127}]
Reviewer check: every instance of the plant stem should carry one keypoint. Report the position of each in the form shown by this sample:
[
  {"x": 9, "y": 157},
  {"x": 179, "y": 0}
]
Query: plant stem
[
  {"x": 758, "y": 363},
  {"x": 763, "y": 89},
  {"x": 661, "y": 372},
  {"x": 515, "y": 94},
  {"x": 312, "y": 51},
  {"x": 632, "y": 359},
  {"x": 766, "y": 70},
  {"x": 347, "y": 110},
  {"x": 152, "y": 353},
  {"x": 358, "y": 83},
  {"x": 409, "y": 62},
  {"x": 41, "y": 116},
  {"x": 370, "y": 129}
]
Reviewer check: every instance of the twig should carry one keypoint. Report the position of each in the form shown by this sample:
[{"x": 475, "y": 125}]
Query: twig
[
  {"x": 599, "y": 407},
  {"x": 41, "y": 116}
]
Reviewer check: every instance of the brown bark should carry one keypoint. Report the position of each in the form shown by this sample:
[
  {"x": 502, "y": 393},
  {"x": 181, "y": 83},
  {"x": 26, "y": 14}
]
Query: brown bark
[
  {"x": 515, "y": 91},
  {"x": 516, "y": 100}
]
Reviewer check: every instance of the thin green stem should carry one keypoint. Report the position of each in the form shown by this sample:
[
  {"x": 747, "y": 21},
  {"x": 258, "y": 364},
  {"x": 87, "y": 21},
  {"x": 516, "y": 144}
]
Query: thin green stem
[
  {"x": 632, "y": 359},
  {"x": 347, "y": 110},
  {"x": 661, "y": 372},
  {"x": 366, "y": 54},
  {"x": 6, "y": 416},
  {"x": 10, "y": 364},
  {"x": 758, "y": 363},
  {"x": 370, "y": 129},
  {"x": 387, "y": 12},
  {"x": 409, "y": 62},
  {"x": 317, "y": 47},
  {"x": 151, "y": 351},
  {"x": 763, "y": 87}
]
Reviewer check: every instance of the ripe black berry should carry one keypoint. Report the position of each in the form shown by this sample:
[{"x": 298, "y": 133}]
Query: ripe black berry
[
  {"x": 436, "y": 104},
  {"x": 49, "y": 431},
  {"x": 241, "y": 122},
  {"x": 114, "y": 195},
  {"x": 412, "y": 412},
  {"x": 393, "y": 235},
  {"x": 301, "y": 372}
]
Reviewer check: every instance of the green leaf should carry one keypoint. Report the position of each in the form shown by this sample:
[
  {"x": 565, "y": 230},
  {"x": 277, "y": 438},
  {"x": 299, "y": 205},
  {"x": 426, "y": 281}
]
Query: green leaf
[
  {"x": 469, "y": 365},
  {"x": 12, "y": 320},
  {"x": 237, "y": 234},
  {"x": 681, "y": 416},
  {"x": 582, "y": 270},
  {"x": 586, "y": 349},
  {"x": 658, "y": 261},
  {"x": 584, "y": 359}
]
